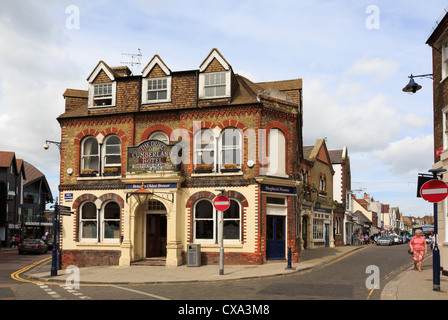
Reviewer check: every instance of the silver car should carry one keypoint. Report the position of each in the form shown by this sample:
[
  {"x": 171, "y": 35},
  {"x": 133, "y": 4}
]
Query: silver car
[{"x": 384, "y": 241}]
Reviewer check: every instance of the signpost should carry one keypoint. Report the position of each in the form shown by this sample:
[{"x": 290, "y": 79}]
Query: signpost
[
  {"x": 435, "y": 191},
  {"x": 221, "y": 203}
]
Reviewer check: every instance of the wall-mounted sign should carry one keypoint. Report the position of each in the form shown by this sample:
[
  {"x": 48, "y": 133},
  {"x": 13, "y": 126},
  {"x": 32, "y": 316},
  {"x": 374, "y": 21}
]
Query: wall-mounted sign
[
  {"x": 149, "y": 186},
  {"x": 277, "y": 189},
  {"x": 150, "y": 155}
]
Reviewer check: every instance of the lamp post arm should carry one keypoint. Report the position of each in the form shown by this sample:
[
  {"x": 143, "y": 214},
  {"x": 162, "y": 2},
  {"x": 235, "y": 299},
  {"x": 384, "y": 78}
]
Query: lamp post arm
[{"x": 429, "y": 75}]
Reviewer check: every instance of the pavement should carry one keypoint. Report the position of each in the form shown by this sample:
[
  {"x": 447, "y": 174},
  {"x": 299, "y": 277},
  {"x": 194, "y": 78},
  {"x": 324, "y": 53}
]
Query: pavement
[{"x": 407, "y": 285}]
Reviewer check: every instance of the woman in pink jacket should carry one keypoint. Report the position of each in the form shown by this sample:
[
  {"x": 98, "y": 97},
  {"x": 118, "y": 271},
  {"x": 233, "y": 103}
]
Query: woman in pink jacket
[{"x": 418, "y": 248}]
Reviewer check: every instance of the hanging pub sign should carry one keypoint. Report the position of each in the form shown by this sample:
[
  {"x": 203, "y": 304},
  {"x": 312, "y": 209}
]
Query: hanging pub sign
[{"x": 150, "y": 155}]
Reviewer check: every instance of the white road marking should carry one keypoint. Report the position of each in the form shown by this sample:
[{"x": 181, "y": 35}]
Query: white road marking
[{"x": 143, "y": 293}]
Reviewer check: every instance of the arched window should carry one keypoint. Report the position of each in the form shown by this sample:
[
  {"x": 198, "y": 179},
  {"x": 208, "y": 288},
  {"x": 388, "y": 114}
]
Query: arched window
[
  {"x": 159, "y": 135},
  {"x": 206, "y": 222},
  {"x": 277, "y": 153},
  {"x": 232, "y": 221},
  {"x": 204, "y": 148},
  {"x": 90, "y": 154},
  {"x": 111, "y": 221},
  {"x": 230, "y": 148},
  {"x": 322, "y": 183},
  {"x": 112, "y": 152},
  {"x": 88, "y": 222}
]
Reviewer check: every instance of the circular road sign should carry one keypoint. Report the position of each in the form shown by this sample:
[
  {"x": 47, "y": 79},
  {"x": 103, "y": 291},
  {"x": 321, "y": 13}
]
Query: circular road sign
[
  {"x": 221, "y": 203},
  {"x": 434, "y": 191}
]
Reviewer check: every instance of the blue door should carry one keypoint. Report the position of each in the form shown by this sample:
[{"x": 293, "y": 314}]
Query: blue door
[
  {"x": 275, "y": 238},
  {"x": 327, "y": 235}
]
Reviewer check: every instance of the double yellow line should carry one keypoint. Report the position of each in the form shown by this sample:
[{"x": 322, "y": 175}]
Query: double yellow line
[{"x": 16, "y": 275}]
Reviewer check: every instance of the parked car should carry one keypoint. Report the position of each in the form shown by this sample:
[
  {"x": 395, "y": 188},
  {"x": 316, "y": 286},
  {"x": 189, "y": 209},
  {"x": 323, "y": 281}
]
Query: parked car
[
  {"x": 50, "y": 243},
  {"x": 384, "y": 241},
  {"x": 395, "y": 239},
  {"x": 33, "y": 246}
]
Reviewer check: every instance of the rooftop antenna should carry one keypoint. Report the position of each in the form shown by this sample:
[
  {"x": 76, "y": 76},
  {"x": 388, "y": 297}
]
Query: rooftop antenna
[{"x": 135, "y": 59}]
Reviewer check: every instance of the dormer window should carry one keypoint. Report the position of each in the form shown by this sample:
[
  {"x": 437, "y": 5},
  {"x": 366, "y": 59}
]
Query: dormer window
[
  {"x": 102, "y": 94},
  {"x": 214, "y": 77},
  {"x": 156, "y": 82},
  {"x": 215, "y": 85},
  {"x": 102, "y": 86},
  {"x": 157, "y": 90}
]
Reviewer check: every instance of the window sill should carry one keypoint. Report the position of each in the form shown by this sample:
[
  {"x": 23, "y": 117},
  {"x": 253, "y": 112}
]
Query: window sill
[
  {"x": 94, "y": 243},
  {"x": 217, "y": 174},
  {"x": 99, "y": 178},
  {"x": 236, "y": 245},
  {"x": 155, "y": 102},
  {"x": 101, "y": 107}
]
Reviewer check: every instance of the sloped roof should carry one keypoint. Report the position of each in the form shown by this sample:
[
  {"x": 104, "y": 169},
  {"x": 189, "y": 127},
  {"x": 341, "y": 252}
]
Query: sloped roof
[
  {"x": 33, "y": 174},
  {"x": 6, "y": 157}
]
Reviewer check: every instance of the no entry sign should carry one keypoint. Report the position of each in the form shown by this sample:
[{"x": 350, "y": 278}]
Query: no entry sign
[
  {"x": 221, "y": 203},
  {"x": 434, "y": 191}
]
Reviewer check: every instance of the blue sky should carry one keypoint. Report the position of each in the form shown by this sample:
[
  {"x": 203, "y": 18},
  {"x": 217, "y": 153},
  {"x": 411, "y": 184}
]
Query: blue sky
[{"x": 352, "y": 74}]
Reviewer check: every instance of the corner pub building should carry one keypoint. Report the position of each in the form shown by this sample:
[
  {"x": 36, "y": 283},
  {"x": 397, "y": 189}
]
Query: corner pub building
[{"x": 181, "y": 138}]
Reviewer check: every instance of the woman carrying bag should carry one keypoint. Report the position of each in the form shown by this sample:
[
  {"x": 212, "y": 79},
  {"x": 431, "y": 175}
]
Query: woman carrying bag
[{"x": 418, "y": 249}]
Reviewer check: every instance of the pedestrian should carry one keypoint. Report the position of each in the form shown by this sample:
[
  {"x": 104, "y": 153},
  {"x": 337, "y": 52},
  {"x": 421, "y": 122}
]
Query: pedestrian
[
  {"x": 418, "y": 249},
  {"x": 366, "y": 239},
  {"x": 432, "y": 240}
]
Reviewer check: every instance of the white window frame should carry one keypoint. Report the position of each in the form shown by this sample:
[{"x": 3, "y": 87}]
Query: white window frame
[
  {"x": 159, "y": 135},
  {"x": 445, "y": 127},
  {"x": 202, "y": 85},
  {"x": 82, "y": 220},
  {"x": 318, "y": 229},
  {"x": 103, "y": 222},
  {"x": 104, "y": 153},
  {"x": 444, "y": 66},
  {"x": 199, "y": 147},
  {"x": 215, "y": 220},
  {"x": 111, "y": 96},
  {"x": 216, "y": 145},
  {"x": 277, "y": 153},
  {"x": 83, "y": 156},
  {"x": 237, "y": 149},
  {"x": 145, "y": 91}
]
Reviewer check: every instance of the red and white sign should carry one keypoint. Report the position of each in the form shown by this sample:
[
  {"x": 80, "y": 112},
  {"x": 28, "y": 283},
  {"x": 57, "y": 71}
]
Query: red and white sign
[
  {"x": 434, "y": 191},
  {"x": 221, "y": 203}
]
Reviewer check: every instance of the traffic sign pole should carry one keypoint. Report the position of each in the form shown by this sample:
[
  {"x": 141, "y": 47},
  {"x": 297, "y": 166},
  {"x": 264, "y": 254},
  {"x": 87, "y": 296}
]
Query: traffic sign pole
[
  {"x": 221, "y": 203},
  {"x": 435, "y": 253}
]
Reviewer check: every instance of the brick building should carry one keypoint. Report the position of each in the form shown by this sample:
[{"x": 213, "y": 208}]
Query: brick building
[
  {"x": 316, "y": 201},
  {"x": 183, "y": 136},
  {"x": 438, "y": 41}
]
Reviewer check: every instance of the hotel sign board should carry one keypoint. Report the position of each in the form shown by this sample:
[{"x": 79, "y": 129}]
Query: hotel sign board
[{"x": 150, "y": 155}]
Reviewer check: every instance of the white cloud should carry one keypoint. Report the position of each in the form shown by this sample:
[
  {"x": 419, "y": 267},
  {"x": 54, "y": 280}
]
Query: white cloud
[
  {"x": 408, "y": 156},
  {"x": 378, "y": 68}
]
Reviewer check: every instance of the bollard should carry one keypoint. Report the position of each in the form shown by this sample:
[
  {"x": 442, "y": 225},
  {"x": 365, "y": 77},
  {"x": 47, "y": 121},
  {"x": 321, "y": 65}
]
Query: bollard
[{"x": 289, "y": 258}]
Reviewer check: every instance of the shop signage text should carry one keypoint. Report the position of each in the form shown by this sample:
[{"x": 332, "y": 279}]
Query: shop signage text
[{"x": 150, "y": 155}]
